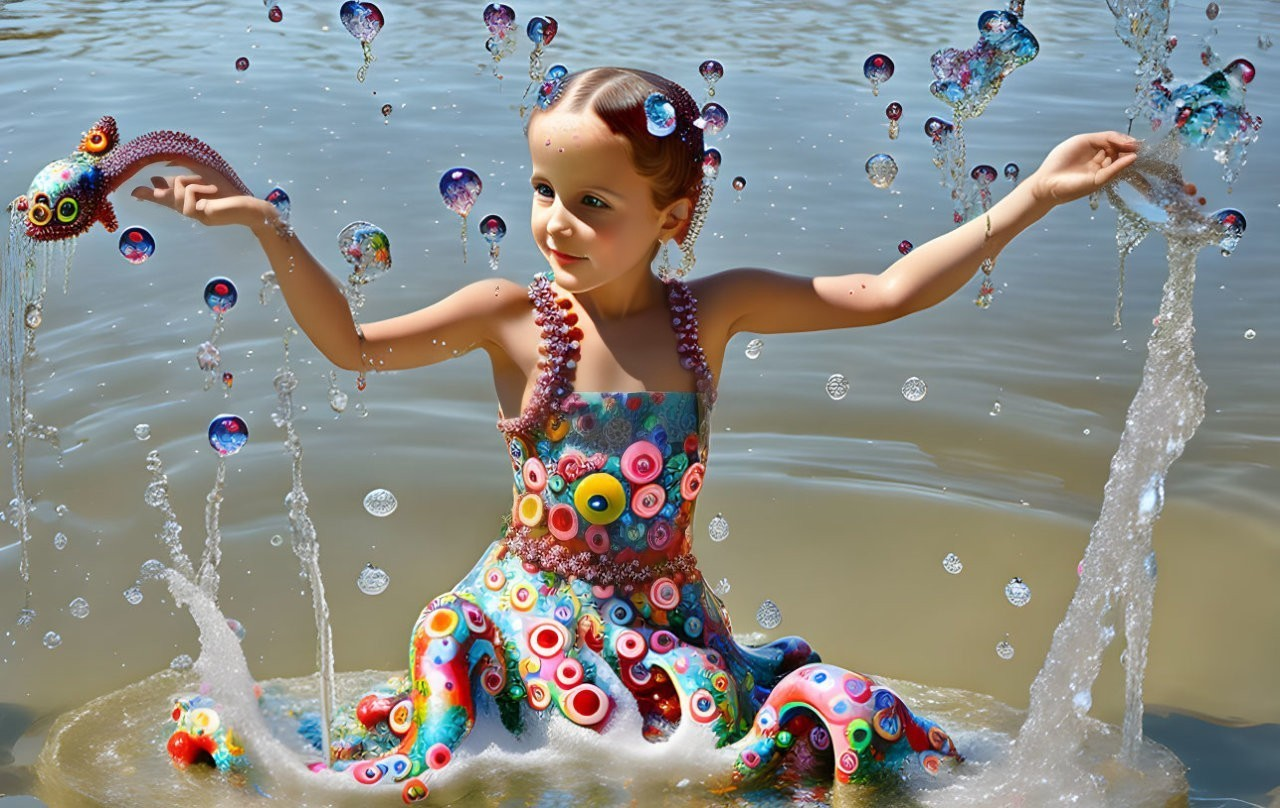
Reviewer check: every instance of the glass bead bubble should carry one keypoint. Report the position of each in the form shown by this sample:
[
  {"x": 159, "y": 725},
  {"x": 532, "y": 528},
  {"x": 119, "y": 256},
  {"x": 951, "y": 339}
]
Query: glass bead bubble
[
  {"x": 228, "y": 434},
  {"x": 1232, "y": 224},
  {"x": 718, "y": 528},
  {"x": 555, "y": 73},
  {"x": 936, "y": 128},
  {"x": 769, "y": 615},
  {"x": 79, "y": 608},
  {"x": 277, "y": 540},
  {"x": 275, "y": 14},
  {"x": 362, "y": 20},
  {"x": 142, "y": 431},
  {"x": 711, "y": 163},
  {"x": 373, "y": 580},
  {"x": 367, "y": 248},
  {"x": 1017, "y": 592},
  {"x": 1211, "y": 11},
  {"x": 136, "y": 245},
  {"x": 914, "y": 389},
  {"x": 905, "y": 246},
  {"x": 52, "y": 639},
  {"x": 714, "y": 118},
  {"x": 711, "y": 71},
  {"x": 242, "y": 64},
  {"x": 387, "y": 109},
  {"x": 60, "y": 541},
  {"x": 499, "y": 18},
  {"x": 837, "y": 386},
  {"x": 659, "y": 115},
  {"x": 33, "y": 316},
  {"x": 208, "y": 357},
  {"x": 220, "y": 295},
  {"x": 380, "y": 502},
  {"x": 133, "y": 595},
  {"x": 338, "y": 400},
  {"x": 1249, "y": 333},
  {"x": 182, "y": 662},
  {"x": 753, "y": 348},
  {"x": 237, "y": 628},
  {"x": 881, "y": 170},
  {"x": 952, "y": 563},
  {"x": 877, "y": 68},
  {"x": 1011, "y": 171},
  {"x": 459, "y": 188},
  {"x": 1004, "y": 650},
  {"x": 739, "y": 183},
  {"x": 983, "y": 174},
  {"x": 894, "y": 111},
  {"x": 493, "y": 228},
  {"x": 541, "y": 30},
  {"x": 152, "y": 568}
]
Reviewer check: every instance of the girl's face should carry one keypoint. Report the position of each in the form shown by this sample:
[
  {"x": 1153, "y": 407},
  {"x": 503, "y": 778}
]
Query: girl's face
[{"x": 593, "y": 215}]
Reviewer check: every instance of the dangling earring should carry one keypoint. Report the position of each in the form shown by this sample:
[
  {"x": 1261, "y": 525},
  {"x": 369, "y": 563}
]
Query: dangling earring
[
  {"x": 665, "y": 271},
  {"x": 687, "y": 258}
]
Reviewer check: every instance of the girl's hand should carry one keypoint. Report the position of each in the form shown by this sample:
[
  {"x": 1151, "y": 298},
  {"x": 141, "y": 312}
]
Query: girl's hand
[
  {"x": 202, "y": 199},
  {"x": 1080, "y": 165}
]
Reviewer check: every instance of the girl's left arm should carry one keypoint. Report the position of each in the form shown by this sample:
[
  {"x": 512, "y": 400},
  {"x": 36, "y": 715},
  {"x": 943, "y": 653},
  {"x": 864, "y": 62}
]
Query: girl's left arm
[{"x": 766, "y": 302}]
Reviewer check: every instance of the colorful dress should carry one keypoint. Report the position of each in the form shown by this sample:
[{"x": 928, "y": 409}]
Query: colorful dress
[{"x": 593, "y": 590}]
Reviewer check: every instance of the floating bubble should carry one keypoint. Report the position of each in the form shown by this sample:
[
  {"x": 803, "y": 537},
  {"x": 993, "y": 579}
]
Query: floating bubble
[
  {"x": 952, "y": 563},
  {"x": 711, "y": 72},
  {"x": 152, "y": 569},
  {"x": 878, "y": 69},
  {"x": 208, "y": 357},
  {"x": 60, "y": 541},
  {"x": 914, "y": 389},
  {"x": 275, "y": 14},
  {"x": 136, "y": 245},
  {"x": 905, "y": 246},
  {"x": 133, "y": 595},
  {"x": 62, "y": 510},
  {"x": 711, "y": 163},
  {"x": 660, "y": 115},
  {"x": 52, "y": 639},
  {"x": 937, "y": 129},
  {"x": 237, "y": 628},
  {"x": 228, "y": 434},
  {"x": 967, "y": 80},
  {"x": 722, "y": 587},
  {"x": 1211, "y": 11},
  {"x": 142, "y": 431},
  {"x": 541, "y": 30},
  {"x": 387, "y": 109},
  {"x": 380, "y": 502},
  {"x": 277, "y": 540},
  {"x": 373, "y": 580},
  {"x": 983, "y": 174},
  {"x": 337, "y": 400},
  {"x": 837, "y": 386},
  {"x": 894, "y": 111},
  {"x": 1018, "y": 593},
  {"x": 182, "y": 662},
  {"x": 33, "y": 316},
  {"x": 367, "y": 248},
  {"x": 1011, "y": 171},
  {"x": 1004, "y": 650},
  {"x": 499, "y": 18},
  {"x": 714, "y": 118},
  {"x": 739, "y": 183},
  {"x": 769, "y": 615},
  {"x": 242, "y": 64},
  {"x": 79, "y": 608},
  {"x": 492, "y": 228},
  {"x": 459, "y": 188},
  {"x": 363, "y": 21},
  {"x": 718, "y": 528},
  {"x": 753, "y": 348},
  {"x": 220, "y": 295},
  {"x": 1249, "y": 333},
  {"x": 881, "y": 169},
  {"x": 1232, "y": 223}
]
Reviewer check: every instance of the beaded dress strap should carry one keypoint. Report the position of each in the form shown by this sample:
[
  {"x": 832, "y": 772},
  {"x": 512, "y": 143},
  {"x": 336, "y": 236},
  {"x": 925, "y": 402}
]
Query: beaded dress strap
[
  {"x": 684, "y": 320},
  {"x": 561, "y": 348}
]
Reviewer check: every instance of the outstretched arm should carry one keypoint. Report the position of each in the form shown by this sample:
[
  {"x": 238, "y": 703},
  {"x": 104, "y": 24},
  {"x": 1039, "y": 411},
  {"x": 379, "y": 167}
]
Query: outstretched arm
[{"x": 766, "y": 302}]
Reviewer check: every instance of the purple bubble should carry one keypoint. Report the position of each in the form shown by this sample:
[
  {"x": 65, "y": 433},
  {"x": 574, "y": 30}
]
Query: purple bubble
[
  {"x": 228, "y": 434},
  {"x": 362, "y": 20},
  {"x": 493, "y": 228},
  {"x": 459, "y": 188},
  {"x": 715, "y": 117}
]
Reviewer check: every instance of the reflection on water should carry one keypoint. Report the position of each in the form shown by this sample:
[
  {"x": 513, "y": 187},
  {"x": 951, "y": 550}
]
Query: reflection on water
[{"x": 834, "y": 504}]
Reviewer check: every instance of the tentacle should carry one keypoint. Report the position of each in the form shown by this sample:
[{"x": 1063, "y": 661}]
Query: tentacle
[
  {"x": 124, "y": 160},
  {"x": 553, "y": 672}
]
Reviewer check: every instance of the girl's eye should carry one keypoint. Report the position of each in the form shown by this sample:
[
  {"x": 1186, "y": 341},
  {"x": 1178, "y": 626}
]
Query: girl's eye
[
  {"x": 542, "y": 189},
  {"x": 594, "y": 201}
]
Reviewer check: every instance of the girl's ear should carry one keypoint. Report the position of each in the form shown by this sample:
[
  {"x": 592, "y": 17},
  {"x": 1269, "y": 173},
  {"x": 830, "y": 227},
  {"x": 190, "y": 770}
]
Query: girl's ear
[{"x": 675, "y": 220}]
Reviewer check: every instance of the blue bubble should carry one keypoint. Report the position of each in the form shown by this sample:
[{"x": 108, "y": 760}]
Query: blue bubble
[{"x": 228, "y": 434}]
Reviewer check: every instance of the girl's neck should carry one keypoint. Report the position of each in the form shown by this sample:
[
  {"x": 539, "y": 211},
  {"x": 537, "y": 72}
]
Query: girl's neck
[{"x": 623, "y": 297}]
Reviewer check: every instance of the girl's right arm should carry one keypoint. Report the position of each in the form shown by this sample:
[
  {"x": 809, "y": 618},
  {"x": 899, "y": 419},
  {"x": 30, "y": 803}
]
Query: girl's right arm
[{"x": 480, "y": 315}]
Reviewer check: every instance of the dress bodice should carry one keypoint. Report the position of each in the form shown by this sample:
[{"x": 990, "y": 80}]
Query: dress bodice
[{"x": 605, "y": 483}]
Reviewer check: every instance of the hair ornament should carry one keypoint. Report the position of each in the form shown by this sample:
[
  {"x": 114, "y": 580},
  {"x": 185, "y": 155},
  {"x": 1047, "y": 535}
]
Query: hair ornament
[{"x": 660, "y": 115}]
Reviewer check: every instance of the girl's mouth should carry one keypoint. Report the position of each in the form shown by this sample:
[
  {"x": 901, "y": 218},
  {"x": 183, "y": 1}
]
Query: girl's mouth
[{"x": 562, "y": 258}]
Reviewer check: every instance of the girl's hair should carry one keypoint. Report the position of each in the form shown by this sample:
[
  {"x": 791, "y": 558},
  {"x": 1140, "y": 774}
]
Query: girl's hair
[{"x": 673, "y": 164}]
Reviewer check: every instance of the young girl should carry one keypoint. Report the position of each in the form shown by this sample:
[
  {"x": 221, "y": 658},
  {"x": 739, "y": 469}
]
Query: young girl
[{"x": 605, "y": 375}]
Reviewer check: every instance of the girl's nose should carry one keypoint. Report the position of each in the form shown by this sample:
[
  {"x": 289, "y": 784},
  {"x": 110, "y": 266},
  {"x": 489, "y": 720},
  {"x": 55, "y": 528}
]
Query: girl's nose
[{"x": 560, "y": 221}]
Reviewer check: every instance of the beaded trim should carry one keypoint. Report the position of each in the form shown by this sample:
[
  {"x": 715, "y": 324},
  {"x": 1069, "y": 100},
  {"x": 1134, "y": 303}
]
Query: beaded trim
[
  {"x": 587, "y": 566},
  {"x": 561, "y": 349}
]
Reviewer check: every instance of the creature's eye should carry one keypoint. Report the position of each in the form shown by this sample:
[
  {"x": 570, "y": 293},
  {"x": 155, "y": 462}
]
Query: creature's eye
[
  {"x": 40, "y": 214},
  {"x": 95, "y": 142},
  {"x": 40, "y": 198},
  {"x": 68, "y": 209}
]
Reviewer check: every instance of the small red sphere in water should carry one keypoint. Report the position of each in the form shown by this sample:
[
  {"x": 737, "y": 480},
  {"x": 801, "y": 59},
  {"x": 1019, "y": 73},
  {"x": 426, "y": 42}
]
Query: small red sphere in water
[
  {"x": 1189, "y": 189},
  {"x": 242, "y": 64},
  {"x": 275, "y": 14},
  {"x": 905, "y": 246},
  {"x": 1201, "y": 200}
]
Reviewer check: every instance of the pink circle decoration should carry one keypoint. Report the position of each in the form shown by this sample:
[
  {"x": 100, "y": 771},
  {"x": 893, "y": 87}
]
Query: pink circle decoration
[{"x": 641, "y": 462}]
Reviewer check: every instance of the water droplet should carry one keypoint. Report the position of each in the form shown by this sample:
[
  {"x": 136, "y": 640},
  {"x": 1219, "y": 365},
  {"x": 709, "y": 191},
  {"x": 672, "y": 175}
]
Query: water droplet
[
  {"x": 1211, "y": 11},
  {"x": 152, "y": 568},
  {"x": 60, "y": 541},
  {"x": 208, "y": 357},
  {"x": 753, "y": 348},
  {"x": 142, "y": 431},
  {"x": 837, "y": 386},
  {"x": 373, "y": 580},
  {"x": 242, "y": 64},
  {"x": 220, "y": 295},
  {"x": 79, "y": 608},
  {"x": 52, "y": 639},
  {"x": 337, "y": 400},
  {"x": 136, "y": 245},
  {"x": 26, "y": 616},
  {"x": 881, "y": 169},
  {"x": 718, "y": 529},
  {"x": 739, "y": 183},
  {"x": 62, "y": 510},
  {"x": 380, "y": 502},
  {"x": 995, "y": 408},
  {"x": 722, "y": 587},
  {"x": 277, "y": 540},
  {"x": 275, "y": 14},
  {"x": 181, "y": 662},
  {"x": 914, "y": 389},
  {"x": 769, "y": 615},
  {"x": 1018, "y": 593},
  {"x": 1249, "y": 333},
  {"x": 1011, "y": 171},
  {"x": 133, "y": 595},
  {"x": 387, "y": 109},
  {"x": 237, "y": 628},
  {"x": 952, "y": 563},
  {"x": 1004, "y": 650},
  {"x": 34, "y": 316}
]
